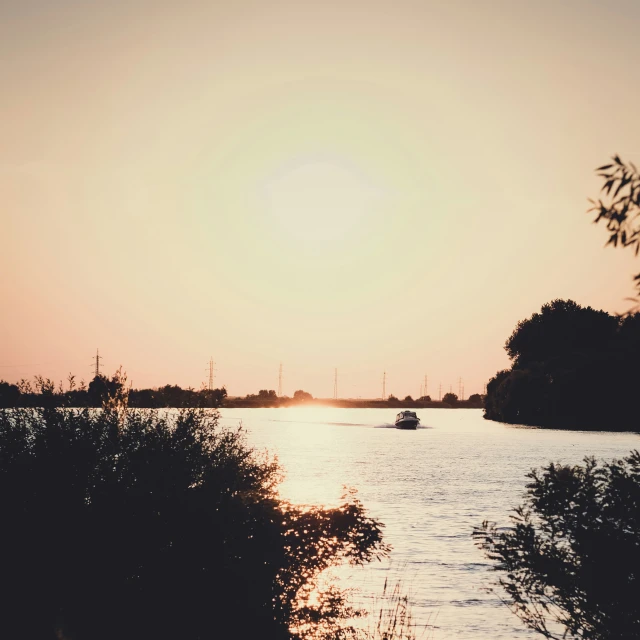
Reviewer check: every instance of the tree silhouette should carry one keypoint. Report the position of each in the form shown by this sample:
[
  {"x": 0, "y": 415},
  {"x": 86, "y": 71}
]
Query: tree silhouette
[
  {"x": 571, "y": 557},
  {"x": 450, "y": 398},
  {"x": 101, "y": 388},
  {"x": 9, "y": 394},
  {"x": 572, "y": 367}
]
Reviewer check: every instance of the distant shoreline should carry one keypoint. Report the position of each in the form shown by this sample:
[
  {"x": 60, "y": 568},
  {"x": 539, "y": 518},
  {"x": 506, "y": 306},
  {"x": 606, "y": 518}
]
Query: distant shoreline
[
  {"x": 45, "y": 393},
  {"x": 243, "y": 403}
]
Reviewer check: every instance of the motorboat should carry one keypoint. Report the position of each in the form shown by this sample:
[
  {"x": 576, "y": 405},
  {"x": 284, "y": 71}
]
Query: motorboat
[{"x": 407, "y": 420}]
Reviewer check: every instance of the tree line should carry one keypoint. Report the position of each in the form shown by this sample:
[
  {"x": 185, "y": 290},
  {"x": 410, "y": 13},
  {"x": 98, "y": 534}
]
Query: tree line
[{"x": 44, "y": 393}]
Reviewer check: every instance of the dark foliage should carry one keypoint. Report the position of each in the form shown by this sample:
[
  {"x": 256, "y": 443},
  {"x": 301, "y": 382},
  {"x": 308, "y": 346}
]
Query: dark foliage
[
  {"x": 101, "y": 389},
  {"x": 45, "y": 394},
  {"x": 9, "y": 394},
  {"x": 264, "y": 398},
  {"x": 621, "y": 207},
  {"x": 408, "y": 399},
  {"x": 570, "y": 562},
  {"x": 121, "y": 523},
  {"x": 302, "y": 396},
  {"x": 450, "y": 398},
  {"x": 175, "y": 396},
  {"x": 573, "y": 367},
  {"x": 476, "y": 399}
]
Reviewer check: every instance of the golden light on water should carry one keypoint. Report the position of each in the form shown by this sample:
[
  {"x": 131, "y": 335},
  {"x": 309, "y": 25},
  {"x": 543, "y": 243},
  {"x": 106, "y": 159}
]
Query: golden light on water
[{"x": 303, "y": 430}]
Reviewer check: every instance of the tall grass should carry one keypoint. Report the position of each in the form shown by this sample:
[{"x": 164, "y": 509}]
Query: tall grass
[{"x": 391, "y": 617}]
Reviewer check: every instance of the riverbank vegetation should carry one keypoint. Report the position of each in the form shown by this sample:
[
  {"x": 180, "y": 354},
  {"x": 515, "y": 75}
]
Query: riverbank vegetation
[
  {"x": 42, "y": 393},
  {"x": 572, "y": 367},
  {"x": 139, "y": 524},
  {"x": 474, "y": 402},
  {"x": 570, "y": 561}
]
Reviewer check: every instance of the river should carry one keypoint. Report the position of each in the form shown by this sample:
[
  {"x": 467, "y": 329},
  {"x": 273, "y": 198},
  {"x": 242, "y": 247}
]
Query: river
[{"x": 430, "y": 487}]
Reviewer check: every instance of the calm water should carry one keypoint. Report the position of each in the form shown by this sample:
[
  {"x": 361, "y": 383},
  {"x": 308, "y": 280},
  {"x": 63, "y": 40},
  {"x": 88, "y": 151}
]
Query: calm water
[{"x": 430, "y": 487}]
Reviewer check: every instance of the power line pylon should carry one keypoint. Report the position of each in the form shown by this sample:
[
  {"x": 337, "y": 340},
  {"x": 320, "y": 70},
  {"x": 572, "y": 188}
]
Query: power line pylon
[
  {"x": 280, "y": 381},
  {"x": 424, "y": 394},
  {"x": 211, "y": 370},
  {"x": 96, "y": 365},
  {"x": 335, "y": 384},
  {"x": 440, "y": 392},
  {"x": 384, "y": 385}
]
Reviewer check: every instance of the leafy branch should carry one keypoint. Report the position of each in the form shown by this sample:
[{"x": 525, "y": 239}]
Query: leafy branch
[{"x": 620, "y": 208}]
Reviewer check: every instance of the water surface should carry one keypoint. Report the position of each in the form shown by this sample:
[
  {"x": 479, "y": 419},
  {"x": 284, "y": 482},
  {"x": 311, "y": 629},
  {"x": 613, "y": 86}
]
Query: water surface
[{"x": 430, "y": 487}]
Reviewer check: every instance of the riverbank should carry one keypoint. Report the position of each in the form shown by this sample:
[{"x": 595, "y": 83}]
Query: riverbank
[{"x": 346, "y": 403}]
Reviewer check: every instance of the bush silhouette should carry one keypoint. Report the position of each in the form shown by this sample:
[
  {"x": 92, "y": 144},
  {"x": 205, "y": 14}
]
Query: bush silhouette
[
  {"x": 137, "y": 524},
  {"x": 571, "y": 557}
]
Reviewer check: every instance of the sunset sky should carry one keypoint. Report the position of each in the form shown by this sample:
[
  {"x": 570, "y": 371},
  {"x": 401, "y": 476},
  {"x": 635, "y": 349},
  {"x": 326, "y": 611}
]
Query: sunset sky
[{"x": 380, "y": 185}]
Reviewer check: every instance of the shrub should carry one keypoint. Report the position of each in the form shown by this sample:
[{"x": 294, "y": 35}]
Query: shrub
[
  {"x": 570, "y": 562},
  {"x": 137, "y": 524}
]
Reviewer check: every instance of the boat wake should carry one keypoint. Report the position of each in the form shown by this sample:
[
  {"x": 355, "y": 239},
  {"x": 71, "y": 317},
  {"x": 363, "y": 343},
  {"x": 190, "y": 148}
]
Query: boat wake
[{"x": 337, "y": 424}]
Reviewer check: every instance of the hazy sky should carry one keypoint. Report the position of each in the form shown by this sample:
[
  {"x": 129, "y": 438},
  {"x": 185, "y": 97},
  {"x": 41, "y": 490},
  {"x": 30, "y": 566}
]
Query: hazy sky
[{"x": 379, "y": 185}]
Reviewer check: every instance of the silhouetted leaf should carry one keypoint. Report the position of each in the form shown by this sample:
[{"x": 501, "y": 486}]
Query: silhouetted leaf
[{"x": 622, "y": 184}]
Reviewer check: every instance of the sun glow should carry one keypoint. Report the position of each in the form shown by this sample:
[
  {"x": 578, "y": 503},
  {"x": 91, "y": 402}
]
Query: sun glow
[{"x": 320, "y": 203}]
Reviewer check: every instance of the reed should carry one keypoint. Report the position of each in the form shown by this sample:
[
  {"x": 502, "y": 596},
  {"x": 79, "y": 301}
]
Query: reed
[{"x": 391, "y": 617}]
